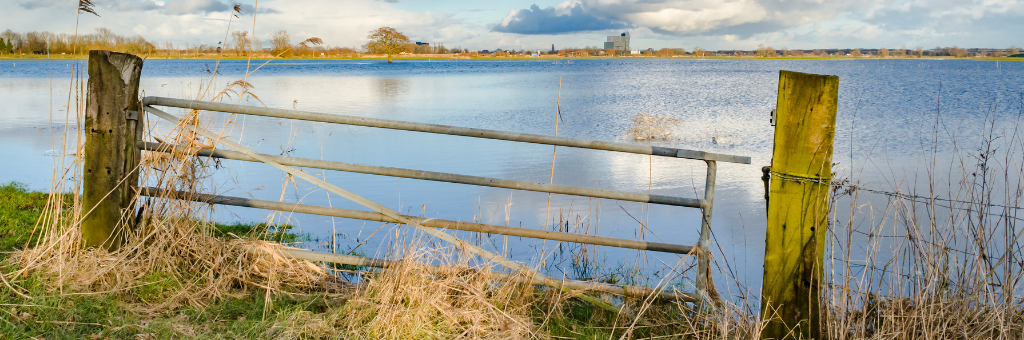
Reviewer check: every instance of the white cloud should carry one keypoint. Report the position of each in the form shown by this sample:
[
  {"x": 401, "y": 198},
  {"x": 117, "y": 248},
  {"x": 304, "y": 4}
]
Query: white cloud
[
  {"x": 696, "y": 17},
  {"x": 713, "y": 24},
  {"x": 568, "y": 16}
]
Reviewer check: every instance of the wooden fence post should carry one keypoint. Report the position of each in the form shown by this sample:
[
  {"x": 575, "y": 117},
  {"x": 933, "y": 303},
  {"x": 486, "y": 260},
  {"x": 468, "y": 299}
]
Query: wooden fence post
[
  {"x": 112, "y": 124},
  {"x": 798, "y": 205}
]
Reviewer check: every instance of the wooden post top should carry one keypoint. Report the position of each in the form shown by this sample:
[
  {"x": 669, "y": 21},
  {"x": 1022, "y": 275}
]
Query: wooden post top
[{"x": 805, "y": 130}]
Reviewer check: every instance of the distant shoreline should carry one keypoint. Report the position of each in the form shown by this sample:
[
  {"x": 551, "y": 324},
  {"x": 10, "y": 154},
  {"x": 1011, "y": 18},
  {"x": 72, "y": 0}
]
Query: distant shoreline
[{"x": 539, "y": 58}]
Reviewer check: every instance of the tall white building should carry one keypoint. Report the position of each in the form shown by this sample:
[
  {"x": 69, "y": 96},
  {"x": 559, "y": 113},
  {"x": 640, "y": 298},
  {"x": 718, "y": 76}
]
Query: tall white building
[{"x": 618, "y": 42}]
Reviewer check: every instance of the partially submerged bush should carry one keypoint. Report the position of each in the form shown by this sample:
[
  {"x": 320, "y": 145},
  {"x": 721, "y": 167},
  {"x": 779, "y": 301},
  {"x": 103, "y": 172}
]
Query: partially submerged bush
[{"x": 652, "y": 127}]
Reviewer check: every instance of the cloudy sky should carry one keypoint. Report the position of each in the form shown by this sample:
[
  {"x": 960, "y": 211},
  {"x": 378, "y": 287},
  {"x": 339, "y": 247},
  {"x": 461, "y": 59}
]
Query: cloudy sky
[{"x": 537, "y": 24}]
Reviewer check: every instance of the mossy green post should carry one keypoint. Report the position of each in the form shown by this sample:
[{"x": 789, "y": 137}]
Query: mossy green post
[
  {"x": 111, "y": 159},
  {"x": 798, "y": 205}
]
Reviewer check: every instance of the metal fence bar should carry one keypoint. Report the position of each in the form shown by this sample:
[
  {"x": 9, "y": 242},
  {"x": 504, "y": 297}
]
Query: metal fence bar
[
  {"x": 435, "y": 176},
  {"x": 445, "y": 129},
  {"x": 427, "y": 222},
  {"x": 632, "y": 291},
  {"x": 703, "y": 281}
]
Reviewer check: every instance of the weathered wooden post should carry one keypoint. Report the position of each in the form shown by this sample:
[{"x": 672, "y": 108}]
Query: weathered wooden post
[
  {"x": 112, "y": 124},
  {"x": 798, "y": 205}
]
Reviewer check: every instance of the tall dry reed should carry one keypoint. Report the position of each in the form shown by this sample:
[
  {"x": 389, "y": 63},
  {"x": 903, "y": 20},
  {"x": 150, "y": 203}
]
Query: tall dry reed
[{"x": 940, "y": 257}]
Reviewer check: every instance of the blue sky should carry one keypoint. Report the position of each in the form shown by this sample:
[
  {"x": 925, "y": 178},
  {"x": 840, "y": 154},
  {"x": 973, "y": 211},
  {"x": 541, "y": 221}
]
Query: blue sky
[{"x": 515, "y": 24}]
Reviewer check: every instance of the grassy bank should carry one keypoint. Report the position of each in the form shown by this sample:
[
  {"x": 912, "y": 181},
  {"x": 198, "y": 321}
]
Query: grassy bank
[
  {"x": 19, "y": 210},
  {"x": 36, "y": 311},
  {"x": 402, "y": 302}
]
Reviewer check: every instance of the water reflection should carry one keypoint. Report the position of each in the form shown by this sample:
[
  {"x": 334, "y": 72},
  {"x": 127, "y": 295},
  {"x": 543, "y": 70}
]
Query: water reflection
[{"x": 391, "y": 88}]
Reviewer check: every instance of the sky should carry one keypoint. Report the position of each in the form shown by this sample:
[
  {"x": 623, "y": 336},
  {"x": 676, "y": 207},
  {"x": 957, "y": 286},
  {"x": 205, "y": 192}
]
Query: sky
[{"x": 537, "y": 24}]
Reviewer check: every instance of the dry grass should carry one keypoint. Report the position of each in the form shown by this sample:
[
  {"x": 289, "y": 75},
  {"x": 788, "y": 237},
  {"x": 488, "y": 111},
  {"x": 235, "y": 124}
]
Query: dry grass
[
  {"x": 406, "y": 302},
  {"x": 945, "y": 262}
]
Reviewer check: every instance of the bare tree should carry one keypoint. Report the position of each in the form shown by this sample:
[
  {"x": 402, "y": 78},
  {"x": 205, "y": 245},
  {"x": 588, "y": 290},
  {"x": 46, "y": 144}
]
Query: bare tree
[
  {"x": 901, "y": 52},
  {"x": 855, "y": 53},
  {"x": 35, "y": 42},
  {"x": 883, "y": 52},
  {"x": 387, "y": 40},
  {"x": 919, "y": 51},
  {"x": 241, "y": 41},
  {"x": 280, "y": 43},
  {"x": 766, "y": 51},
  {"x": 105, "y": 38},
  {"x": 13, "y": 39}
]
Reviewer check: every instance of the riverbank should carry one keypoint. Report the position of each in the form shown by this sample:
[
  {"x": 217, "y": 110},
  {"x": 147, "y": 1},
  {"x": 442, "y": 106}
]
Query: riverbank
[
  {"x": 401, "y": 302},
  {"x": 34, "y": 310},
  {"x": 455, "y": 57}
]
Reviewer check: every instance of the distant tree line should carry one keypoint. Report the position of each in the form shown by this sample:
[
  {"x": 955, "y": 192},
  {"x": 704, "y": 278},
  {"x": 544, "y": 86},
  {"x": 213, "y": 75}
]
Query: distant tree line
[
  {"x": 243, "y": 44},
  {"x": 63, "y": 43}
]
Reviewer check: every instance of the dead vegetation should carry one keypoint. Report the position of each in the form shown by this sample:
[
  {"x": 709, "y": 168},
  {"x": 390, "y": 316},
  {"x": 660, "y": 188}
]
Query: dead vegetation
[
  {"x": 937, "y": 257},
  {"x": 647, "y": 127}
]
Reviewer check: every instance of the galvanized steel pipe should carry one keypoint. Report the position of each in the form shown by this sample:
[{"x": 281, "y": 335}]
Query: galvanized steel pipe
[
  {"x": 435, "y": 176},
  {"x": 427, "y": 222},
  {"x": 632, "y": 291},
  {"x": 445, "y": 129}
]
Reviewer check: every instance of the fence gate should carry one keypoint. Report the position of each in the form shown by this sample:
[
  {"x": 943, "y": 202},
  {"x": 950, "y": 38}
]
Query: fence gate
[{"x": 432, "y": 226}]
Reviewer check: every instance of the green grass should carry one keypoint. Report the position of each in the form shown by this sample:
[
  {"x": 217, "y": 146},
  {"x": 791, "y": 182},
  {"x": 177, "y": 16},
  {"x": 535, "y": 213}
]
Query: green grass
[
  {"x": 104, "y": 316},
  {"x": 261, "y": 231},
  {"x": 19, "y": 211}
]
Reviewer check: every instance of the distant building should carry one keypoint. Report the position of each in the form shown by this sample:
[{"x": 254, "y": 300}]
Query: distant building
[
  {"x": 421, "y": 43},
  {"x": 618, "y": 42}
]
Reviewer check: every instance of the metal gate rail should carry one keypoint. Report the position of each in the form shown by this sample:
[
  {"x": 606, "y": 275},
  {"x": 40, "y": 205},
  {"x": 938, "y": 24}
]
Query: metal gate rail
[
  {"x": 433, "y": 176},
  {"x": 427, "y": 222},
  {"x": 444, "y": 129}
]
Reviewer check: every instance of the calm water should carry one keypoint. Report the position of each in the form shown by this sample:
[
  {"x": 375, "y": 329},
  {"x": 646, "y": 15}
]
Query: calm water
[{"x": 887, "y": 112}]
